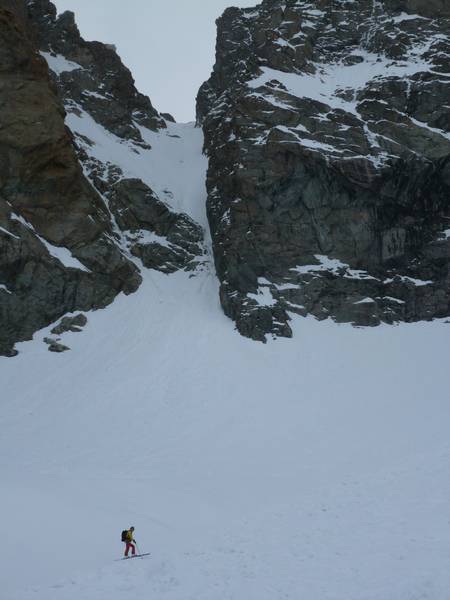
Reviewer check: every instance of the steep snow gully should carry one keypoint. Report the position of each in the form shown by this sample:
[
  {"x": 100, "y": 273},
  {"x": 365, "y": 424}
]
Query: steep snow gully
[{"x": 315, "y": 467}]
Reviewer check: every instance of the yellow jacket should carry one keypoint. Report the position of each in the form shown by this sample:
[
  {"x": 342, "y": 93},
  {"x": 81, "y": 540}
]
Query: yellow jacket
[{"x": 129, "y": 535}]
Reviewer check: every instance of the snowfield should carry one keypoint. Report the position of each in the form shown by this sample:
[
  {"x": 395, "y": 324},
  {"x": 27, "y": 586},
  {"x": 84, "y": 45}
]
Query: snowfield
[{"x": 315, "y": 468}]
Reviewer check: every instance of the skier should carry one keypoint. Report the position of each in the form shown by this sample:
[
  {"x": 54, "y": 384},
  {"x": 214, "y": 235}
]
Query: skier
[{"x": 130, "y": 542}]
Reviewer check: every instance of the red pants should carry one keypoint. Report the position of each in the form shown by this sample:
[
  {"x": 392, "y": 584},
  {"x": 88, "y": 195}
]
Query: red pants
[{"x": 127, "y": 548}]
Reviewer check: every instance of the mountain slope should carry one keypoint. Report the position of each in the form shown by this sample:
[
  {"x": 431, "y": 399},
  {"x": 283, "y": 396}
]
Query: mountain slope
[{"x": 312, "y": 467}]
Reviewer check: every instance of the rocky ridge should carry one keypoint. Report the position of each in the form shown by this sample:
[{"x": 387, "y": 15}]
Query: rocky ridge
[
  {"x": 75, "y": 226},
  {"x": 327, "y": 127},
  {"x": 105, "y": 109},
  {"x": 91, "y": 75},
  {"x": 56, "y": 251}
]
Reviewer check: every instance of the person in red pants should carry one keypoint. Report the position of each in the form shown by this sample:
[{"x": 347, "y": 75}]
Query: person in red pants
[{"x": 130, "y": 542}]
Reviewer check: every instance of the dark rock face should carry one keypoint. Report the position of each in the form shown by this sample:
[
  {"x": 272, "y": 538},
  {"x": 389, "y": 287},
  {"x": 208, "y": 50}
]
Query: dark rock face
[
  {"x": 73, "y": 324},
  {"x": 163, "y": 240},
  {"x": 73, "y": 226},
  {"x": 168, "y": 117},
  {"x": 116, "y": 103},
  {"x": 56, "y": 251},
  {"x": 55, "y": 346},
  {"x": 327, "y": 127},
  {"x": 426, "y": 8}
]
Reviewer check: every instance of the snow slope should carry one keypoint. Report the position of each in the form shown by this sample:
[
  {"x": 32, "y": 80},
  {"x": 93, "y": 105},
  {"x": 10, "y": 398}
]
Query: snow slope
[
  {"x": 313, "y": 468},
  {"x": 174, "y": 167}
]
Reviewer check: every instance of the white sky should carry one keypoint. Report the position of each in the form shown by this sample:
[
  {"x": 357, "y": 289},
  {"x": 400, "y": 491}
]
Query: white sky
[{"x": 168, "y": 45}]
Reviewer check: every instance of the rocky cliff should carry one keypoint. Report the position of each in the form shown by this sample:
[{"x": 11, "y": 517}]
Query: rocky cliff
[
  {"x": 56, "y": 251},
  {"x": 91, "y": 74},
  {"x": 327, "y": 127},
  {"x": 113, "y": 124},
  {"x": 76, "y": 224}
]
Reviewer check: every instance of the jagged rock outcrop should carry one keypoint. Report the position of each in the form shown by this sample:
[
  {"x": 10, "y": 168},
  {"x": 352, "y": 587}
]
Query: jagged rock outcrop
[
  {"x": 100, "y": 98},
  {"x": 73, "y": 324},
  {"x": 80, "y": 66},
  {"x": 163, "y": 240},
  {"x": 73, "y": 221},
  {"x": 327, "y": 127},
  {"x": 56, "y": 252}
]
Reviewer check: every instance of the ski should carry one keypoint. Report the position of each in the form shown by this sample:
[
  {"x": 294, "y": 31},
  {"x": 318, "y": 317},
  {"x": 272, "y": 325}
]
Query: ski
[{"x": 135, "y": 556}]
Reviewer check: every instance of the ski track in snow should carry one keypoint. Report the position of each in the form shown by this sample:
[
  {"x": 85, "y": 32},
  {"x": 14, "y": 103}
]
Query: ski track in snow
[{"x": 313, "y": 468}]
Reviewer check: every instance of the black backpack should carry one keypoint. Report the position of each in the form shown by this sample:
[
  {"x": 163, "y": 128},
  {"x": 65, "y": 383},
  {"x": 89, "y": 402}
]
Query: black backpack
[{"x": 124, "y": 535}]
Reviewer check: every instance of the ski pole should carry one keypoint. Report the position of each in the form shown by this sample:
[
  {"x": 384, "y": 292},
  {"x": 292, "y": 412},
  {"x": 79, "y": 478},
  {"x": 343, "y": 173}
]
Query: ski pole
[{"x": 138, "y": 549}]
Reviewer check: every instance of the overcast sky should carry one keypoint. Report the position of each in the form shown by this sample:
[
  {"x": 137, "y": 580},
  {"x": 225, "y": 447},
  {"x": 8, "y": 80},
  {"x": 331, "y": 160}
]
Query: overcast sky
[{"x": 168, "y": 44}]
